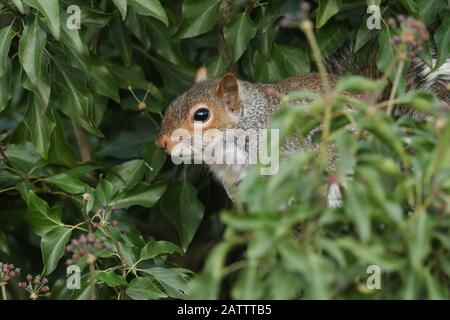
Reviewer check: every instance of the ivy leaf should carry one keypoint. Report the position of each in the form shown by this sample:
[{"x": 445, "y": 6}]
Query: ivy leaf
[
  {"x": 50, "y": 10},
  {"x": 122, "y": 7},
  {"x": 19, "y": 5},
  {"x": 442, "y": 40},
  {"x": 158, "y": 248},
  {"x": 327, "y": 9},
  {"x": 293, "y": 61},
  {"x": 331, "y": 38},
  {"x": 112, "y": 279},
  {"x": 151, "y": 8},
  {"x": 128, "y": 174},
  {"x": 199, "y": 16},
  {"x": 144, "y": 289},
  {"x": 5, "y": 85},
  {"x": 142, "y": 195},
  {"x": 31, "y": 48},
  {"x": 184, "y": 210},
  {"x": 40, "y": 123},
  {"x": 238, "y": 34},
  {"x": 67, "y": 183},
  {"x": 6, "y": 36},
  {"x": 363, "y": 36},
  {"x": 102, "y": 81},
  {"x": 53, "y": 246},
  {"x": 42, "y": 218}
]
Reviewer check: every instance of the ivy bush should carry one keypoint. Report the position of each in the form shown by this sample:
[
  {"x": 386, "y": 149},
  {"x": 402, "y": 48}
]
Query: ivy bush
[{"x": 82, "y": 184}]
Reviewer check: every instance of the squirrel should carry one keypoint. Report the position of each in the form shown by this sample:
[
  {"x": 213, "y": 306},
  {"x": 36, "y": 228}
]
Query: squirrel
[{"x": 228, "y": 102}]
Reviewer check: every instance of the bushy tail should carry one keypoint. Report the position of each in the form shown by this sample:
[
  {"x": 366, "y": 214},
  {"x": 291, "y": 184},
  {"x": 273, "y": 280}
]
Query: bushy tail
[{"x": 420, "y": 76}]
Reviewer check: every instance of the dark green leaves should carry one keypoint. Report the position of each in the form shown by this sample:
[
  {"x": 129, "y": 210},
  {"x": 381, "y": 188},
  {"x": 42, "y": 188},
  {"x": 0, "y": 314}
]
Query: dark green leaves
[
  {"x": 31, "y": 48},
  {"x": 42, "y": 218},
  {"x": 327, "y": 9},
  {"x": 50, "y": 10},
  {"x": 238, "y": 34},
  {"x": 184, "y": 210},
  {"x": 40, "y": 122},
  {"x": 144, "y": 289},
  {"x": 442, "y": 39},
  {"x": 122, "y": 7},
  {"x": 149, "y": 8},
  {"x": 6, "y": 35},
  {"x": 199, "y": 16},
  {"x": 158, "y": 248},
  {"x": 53, "y": 245}
]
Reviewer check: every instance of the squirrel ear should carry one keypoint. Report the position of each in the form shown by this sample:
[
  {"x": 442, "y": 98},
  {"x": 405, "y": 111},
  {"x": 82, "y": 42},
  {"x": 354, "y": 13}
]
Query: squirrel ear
[
  {"x": 228, "y": 91},
  {"x": 201, "y": 75}
]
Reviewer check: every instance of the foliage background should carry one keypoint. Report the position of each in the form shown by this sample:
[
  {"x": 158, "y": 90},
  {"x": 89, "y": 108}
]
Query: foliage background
[{"x": 77, "y": 127}]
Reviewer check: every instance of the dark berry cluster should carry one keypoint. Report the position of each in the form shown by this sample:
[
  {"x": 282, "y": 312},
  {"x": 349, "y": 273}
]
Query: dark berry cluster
[
  {"x": 7, "y": 272},
  {"x": 413, "y": 33},
  {"x": 36, "y": 287},
  {"x": 86, "y": 247}
]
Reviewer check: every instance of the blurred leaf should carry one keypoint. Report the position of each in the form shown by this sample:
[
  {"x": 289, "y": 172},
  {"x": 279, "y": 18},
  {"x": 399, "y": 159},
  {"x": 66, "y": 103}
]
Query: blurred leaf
[
  {"x": 331, "y": 38},
  {"x": 442, "y": 40},
  {"x": 122, "y": 6},
  {"x": 67, "y": 183},
  {"x": 327, "y": 9}
]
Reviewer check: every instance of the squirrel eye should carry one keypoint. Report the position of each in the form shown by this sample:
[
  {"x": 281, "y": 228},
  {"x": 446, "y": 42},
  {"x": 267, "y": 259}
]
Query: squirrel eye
[{"x": 201, "y": 115}]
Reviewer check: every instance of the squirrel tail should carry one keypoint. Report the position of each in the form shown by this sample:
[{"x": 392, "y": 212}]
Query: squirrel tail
[{"x": 420, "y": 76}]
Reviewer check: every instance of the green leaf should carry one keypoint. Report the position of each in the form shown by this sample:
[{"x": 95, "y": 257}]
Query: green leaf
[
  {"x": 442, "y": 40},
  {"x": 184, "y": 210},
  {"x": 41, "y": 123},
  {"x": 4, "y": 247},
  {"x": 50, "y": 10},
  {"x": 53, "y": 246},
  {"x": 122, "y": 40},
  {"x": 363, "y": 36},
  {"x": 31, "y": 48},
  {"x": 5, "y": 85},
  {"x": 112, "y": 279},
  {"x": 67, "y": 183},
  {"x": 238, "y": 34},
  {"x": 293, "y": 61},
  {"x": 144, "y": 289},
  {"x": 429, "y": 9},
  {"x": 174, "y": 280},
  {"x": 42, "y": 218},
  {"x": 154, "y": 158},
  {"x": 199, "y": 16},
  {"x": 76, "y": 100},
  {"x": 142, "y": 195},
  {"x": 122, "y": 6},
  {"x": 409, "y": 5},
  {"x": 128, "y": 174},
  {"x": 419, "y": 234},
  {"x": 158, "y": 248},
  {"x": 331, "y": 38},
  {"x": 151, "y": 8},
  {"x": 19, "y": 5},
  {"x": 102, "y": 81},
  {"x": 327, "y": 9},
  {"x": 6, "y": 36}
]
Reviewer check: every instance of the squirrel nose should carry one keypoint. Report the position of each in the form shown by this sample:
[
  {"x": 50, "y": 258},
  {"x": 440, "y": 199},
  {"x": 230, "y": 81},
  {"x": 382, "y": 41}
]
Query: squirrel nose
[{"x": 162, "y": 142}]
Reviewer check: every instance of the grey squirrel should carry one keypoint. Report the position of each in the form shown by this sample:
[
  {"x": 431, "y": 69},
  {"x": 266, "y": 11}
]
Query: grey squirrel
[{"x": 228, "y": 102}]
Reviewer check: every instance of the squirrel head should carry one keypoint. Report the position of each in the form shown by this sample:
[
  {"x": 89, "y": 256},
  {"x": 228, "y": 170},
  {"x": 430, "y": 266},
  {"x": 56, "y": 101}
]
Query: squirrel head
[{"x": 209, "y": 104}]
